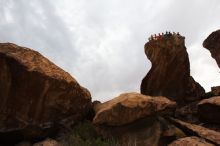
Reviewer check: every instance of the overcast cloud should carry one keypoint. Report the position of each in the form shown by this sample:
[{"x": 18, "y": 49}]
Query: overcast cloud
[{"x": 100, "y": 42}]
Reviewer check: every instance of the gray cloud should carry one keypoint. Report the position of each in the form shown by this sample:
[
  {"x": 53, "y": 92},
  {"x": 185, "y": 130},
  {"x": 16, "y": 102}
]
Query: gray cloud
[
  {"x": 101, "y": 42},
  {"x": 35, "y": 24}
]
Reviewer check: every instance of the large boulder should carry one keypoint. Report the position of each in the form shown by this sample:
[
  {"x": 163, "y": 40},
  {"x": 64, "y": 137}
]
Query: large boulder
[
  {"x": 190, "y": 141},
  {"x": 48, "y": 142},
  {"x": 143, "y": 132},
  {"x": 148, "y": 131},
  {"x": 169, "y": 75},
  {"x": 197, "y": 130},
  {"x": 36, "y": 94},
  {"x": 212, "y": 43},
  {"x": 129, "y": 107},
  {"x": 209, "y": 110}
]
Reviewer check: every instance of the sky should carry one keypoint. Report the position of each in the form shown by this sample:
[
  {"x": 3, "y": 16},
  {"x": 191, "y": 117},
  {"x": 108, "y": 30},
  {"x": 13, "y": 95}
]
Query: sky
[{"x": 101, "y": 42}]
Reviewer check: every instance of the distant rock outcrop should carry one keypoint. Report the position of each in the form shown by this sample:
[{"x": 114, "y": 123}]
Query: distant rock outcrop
[
  {"x": 36, "y": 95},
  {"x": 128, "y": 107},
  {"x": 212, "y": 43},
  {"x": 169, "y": 75}
]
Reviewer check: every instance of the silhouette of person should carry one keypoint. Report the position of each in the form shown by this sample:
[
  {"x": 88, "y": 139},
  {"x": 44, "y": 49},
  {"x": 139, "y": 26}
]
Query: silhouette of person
[
  {"x": 155, "y": 37},
  {"x": 152, "y": 37}
]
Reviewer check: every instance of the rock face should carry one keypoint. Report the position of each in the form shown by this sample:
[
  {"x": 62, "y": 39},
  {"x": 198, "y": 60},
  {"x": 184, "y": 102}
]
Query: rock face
[
  {"x": 209, "y": 110},
  {"x": 188, "y": 113},
  {"x": 192, "y": 129},
  {"x": 48, "y": 142},
  {"x": 169, "y": 75},
  {"x": 35, "y": 94},
  {"x": 215, "y": 90},
  {"x": 190, "y": 141},
  {"x": 135, "y": 119},
  {"x": 129, "y": 107},
  {"x": 149, "y": 131},
  {"x": 212, "y": 43}
]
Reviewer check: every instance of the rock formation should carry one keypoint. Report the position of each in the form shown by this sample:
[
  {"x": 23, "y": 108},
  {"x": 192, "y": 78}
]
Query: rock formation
[
  {"x": 209, "y": 110},
  {"x": 188, "y": 112},
  {"x": 129, "y": 107},
  {"x": 36, "y": 95},
  {"x": 48, "y": 142},
  {"x": 38, "y": 98},
  {"x": 134, "y": 119},
  {"x": 169, "y": 75},
  {"x": 212, "y": 43},
  {"x": 215, "y": 90},
  {"x": 190, "y": 141},
  {"x": 149, "y": 131},
  {"x": 200, "y": 131}
]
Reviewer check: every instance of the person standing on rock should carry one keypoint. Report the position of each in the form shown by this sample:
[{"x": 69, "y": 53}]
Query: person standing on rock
[
  {"x": 152, "y": 37},
  {"x": 155, "y": 36},
  {"x": 166, "y": 34},
  {"x": 159, "y": 36}
]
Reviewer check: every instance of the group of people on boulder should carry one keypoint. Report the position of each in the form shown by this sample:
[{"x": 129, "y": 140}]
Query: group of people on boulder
[{"x": 163, "y": 35}]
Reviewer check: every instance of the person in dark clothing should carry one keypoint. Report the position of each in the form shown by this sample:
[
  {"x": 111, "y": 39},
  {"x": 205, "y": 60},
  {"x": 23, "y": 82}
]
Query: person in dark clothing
[{"x": 152, "y": 38}]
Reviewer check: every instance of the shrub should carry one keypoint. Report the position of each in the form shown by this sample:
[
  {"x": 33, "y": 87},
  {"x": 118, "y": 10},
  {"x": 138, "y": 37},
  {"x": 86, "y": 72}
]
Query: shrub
[{"x": 84, "y": 134}]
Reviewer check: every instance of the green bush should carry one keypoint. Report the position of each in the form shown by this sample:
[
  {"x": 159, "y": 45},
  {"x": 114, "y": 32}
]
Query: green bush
[
  {"x": 84, "y": 134},
  {"x": 85, "y": 130}
]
